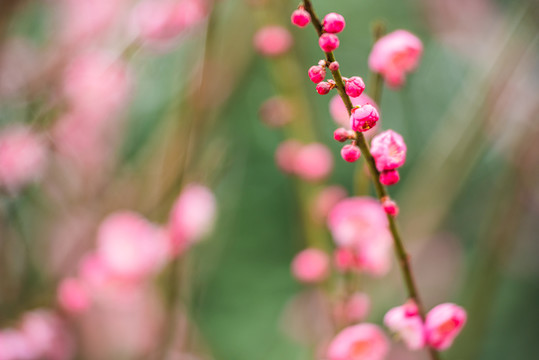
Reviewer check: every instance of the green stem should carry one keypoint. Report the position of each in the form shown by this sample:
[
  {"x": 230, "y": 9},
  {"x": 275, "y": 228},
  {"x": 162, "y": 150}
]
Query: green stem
[{"x": 381, "y": 191}]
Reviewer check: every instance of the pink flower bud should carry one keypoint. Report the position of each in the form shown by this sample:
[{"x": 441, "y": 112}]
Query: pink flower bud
[
  {"x": 394, "y": 55},
  {"x": 390, "y": 207},
  {"x": 350, "y": 152},
  {"x": 328, "y": 42},
  {"x": 364, "y": 341},
  {"x": 334, "y": 23},
  {"x": 317, "y": 73},
  {"x": 389, "y": 177},
  {"x": 354, "y": 86},
  {"x": 388, "y": 150},
  {"x": 341, "y": 134},
  {"x": 192, "y": 217},
  {"x": 364, "y": 118},
  {"x": 443, "y": 323},
  {"x": 23, "y": 156},
  {"x": 272, "y": 40},
  {"x": 407, "y": 325},
  {"x": 300, "y": 17},
  {"x": 311, "y": 266},
  {"x": 73, "y": 296},
  {"x": 313, "y": 162},
  {"x": 324, "y": 88},
  {"x": 334, "y": 66}
]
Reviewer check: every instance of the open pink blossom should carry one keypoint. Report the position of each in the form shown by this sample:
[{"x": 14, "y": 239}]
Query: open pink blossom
[
  {"x": 192, "y": 216},
  {"x": 272, "y": 40},
  {"x": 394, "y": 55},
  {"x": 96, "y": 84},
  {"x": 406, "y": 323},
  {"x": 339, "y": 113},
  {"x": 23, "y": 157},
  {"x": 443, "y": 323},
  {"x": 311, "y": 266},
  {"x": 364, "y": 118},
  {"x": 313, "y": 162},
  {"x": 360, "y": 342},
  {"x": 73, "y": 296},
  {"x": 131, "y": 247},
  {"x": 389, "y": 150},
  {"x": 159, "y": 23},
  {"x": 326, "y": 200}
]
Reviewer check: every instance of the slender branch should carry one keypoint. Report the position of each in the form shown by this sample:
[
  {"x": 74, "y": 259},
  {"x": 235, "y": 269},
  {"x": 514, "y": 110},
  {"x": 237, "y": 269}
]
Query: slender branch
[{"x": 381, "y": 191}]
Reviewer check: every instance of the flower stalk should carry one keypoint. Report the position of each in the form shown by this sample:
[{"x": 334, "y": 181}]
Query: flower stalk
[{"x": 381, "y": 191}]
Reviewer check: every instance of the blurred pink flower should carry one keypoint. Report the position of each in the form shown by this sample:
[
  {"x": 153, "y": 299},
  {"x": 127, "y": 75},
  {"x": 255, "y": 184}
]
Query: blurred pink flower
[
  {"x": 276, "y": 111},
  {"x": 364, "y": 341},
  {"x": 406, "y": 323},
  {"x": 356, "y": 221},
  {"x": 15, "y": 346},
  {"x": 359, "y": 226},
  {"x": 96, "y": 85},
  {"x": 354, "y": 309},
  {"x": 285, "y": 155},
  {"x": 85, "y": 20},
  {"x": 131, "y": 247},
  {"x": 313, "y": 162},
  {"x": 159, "y": 23},
  {"x": 389, "y": 150},
  {"x": 326, "y": 200},
  {"x": 394, "y": 55},
  {"x": 83, "y": 141},
  {"x": 46, "y": 335},
  {"x": 73, "y": 296},
  {"x": 443, "y": 323},
  {"x": 310, "y": 266},
  {"x": 192, "y": 217},
  {"x": 23, "y": 157},
  {"x": 272, "y": 40}
]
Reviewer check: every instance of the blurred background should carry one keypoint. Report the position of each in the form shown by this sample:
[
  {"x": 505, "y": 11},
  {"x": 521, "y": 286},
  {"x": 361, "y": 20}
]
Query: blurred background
[{"x": 125, "y": 117}]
